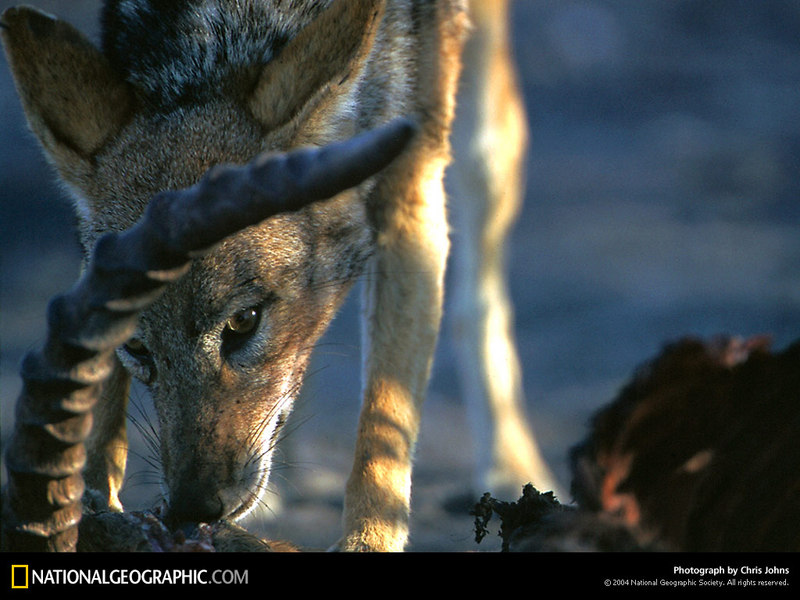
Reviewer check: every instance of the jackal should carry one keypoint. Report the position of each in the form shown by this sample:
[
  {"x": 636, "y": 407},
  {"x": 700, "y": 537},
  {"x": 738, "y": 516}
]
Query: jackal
[{"x": 181, "y": 86}]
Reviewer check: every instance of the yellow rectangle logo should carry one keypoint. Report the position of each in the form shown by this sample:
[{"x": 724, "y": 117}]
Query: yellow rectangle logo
[{"x": 19, "y": 577}]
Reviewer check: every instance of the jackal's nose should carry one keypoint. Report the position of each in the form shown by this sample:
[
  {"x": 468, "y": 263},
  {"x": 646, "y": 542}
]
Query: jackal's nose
[{"x": 194, "y": 505}]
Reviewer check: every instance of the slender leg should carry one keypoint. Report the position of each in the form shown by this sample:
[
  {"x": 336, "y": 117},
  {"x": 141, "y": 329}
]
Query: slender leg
[
  {"x": 490, "y": 142},
  {"x": 403, "y": 298}
]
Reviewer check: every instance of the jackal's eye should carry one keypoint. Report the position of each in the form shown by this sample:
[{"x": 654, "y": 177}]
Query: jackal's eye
[
  {"x": 239, "y": 329},
  {"x": 138, "y": 360},
  {"x": 243, "y": 322}
]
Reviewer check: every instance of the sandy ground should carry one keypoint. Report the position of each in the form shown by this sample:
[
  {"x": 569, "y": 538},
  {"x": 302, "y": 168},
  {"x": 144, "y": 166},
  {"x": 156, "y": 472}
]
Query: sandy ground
[{"x": 662, "y": 201}]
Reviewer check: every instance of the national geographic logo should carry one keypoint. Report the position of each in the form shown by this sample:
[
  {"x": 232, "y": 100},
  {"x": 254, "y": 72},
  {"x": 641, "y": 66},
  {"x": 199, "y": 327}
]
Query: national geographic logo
[
  {"x": 22, "y": 576},
  {"x": 19, "y": 577}
]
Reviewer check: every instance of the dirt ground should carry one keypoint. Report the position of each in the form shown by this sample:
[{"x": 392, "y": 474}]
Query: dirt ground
[{"x": 662, "y": 200}]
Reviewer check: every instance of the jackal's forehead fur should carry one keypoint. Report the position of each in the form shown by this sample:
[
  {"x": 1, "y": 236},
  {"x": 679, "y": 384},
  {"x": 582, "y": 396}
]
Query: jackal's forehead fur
[{"x": 155, "y": 152}]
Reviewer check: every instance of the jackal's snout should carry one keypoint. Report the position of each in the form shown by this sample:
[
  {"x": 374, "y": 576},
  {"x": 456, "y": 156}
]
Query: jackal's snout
[{"x": 218, "y": 479}]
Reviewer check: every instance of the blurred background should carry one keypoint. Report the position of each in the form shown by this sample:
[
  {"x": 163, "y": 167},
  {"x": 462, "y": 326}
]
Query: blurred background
[{"x": 663, "y": 200}]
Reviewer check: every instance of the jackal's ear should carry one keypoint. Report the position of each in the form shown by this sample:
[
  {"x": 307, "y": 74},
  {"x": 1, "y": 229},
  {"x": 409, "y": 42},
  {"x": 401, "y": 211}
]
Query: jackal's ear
[
  {"x": 316, "y": 71},
  {"x": 71, "y": 97}
]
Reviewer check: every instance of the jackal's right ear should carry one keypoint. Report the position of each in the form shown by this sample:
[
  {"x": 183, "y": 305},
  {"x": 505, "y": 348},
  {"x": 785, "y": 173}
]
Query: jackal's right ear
[
  {"x": 313, "y": 76},
  {"x": 73, "y": 100}
]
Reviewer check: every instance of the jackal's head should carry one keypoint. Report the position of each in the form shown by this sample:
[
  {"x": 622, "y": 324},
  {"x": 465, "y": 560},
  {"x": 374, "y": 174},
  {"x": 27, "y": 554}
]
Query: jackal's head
[{"x": 180, "y": 87}]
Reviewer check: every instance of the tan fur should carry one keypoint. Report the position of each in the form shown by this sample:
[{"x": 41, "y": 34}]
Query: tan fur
[{"x": 355, "y": 65}]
